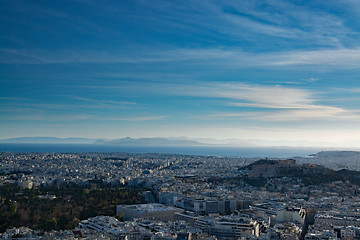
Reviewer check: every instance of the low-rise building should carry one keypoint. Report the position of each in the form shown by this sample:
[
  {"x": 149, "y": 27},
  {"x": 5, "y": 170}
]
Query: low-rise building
[{"x": 153, "y": 211}]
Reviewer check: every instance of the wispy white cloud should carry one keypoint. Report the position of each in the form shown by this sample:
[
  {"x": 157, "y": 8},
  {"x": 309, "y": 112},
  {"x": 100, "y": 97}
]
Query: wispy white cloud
[
  {"x": 270, "y": 103},
  {"x": 321, "y": 113},
  {"x": 349, "y": 58},
  {"x": 278, "y": 18},
  {"x": 353, "y": 90},
  {"x": 255, "y": 95},
  {"x": 300, "y": 22},
  {"x": 293, "y": 115},
  {"x": 273, "y": 30},
  {"x": 313, "y": 79},
  {"x": 298, "y": 82}
]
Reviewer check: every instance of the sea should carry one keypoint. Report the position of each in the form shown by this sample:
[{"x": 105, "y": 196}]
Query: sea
[{"x": 250, "y": 152}]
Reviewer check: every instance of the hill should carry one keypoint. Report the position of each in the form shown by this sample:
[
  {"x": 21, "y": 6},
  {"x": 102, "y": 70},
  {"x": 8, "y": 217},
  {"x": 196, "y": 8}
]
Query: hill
[{"x": 309, "y": 173}]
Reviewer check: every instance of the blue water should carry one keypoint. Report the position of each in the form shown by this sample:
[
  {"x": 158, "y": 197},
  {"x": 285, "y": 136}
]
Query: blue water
[{"x": 278, "y": 152}]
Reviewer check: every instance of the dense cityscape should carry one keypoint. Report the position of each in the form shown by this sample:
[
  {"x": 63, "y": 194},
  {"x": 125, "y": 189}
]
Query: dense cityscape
[{"x": 168, "y": 196}]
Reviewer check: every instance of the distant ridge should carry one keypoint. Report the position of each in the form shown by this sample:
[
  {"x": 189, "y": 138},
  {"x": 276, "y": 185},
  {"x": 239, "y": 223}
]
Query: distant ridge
[
  {"x": 121, "y": 141},
  {"x": 151, "y": 141},
  {"x": 47, "y": 140},
  {"x": 184, "y": 141}
]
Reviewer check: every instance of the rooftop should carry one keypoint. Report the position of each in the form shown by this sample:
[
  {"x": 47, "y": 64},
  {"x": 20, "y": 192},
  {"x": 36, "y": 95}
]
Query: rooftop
[{"x": 150, "y": 207}]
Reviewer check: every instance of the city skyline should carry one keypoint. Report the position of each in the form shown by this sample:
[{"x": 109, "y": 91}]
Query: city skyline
[{"x": 283, "y": 70}]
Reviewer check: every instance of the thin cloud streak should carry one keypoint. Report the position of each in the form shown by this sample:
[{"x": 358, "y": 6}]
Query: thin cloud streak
[
  {"x": 111, "y": 102},
  {"x": 74, "y": 106},
  {"x": 137, "y": 119},
  {"x": 299, "y": 115},
  {"x": 49, "y": 117},
  {"x": 233, "y": 58}
]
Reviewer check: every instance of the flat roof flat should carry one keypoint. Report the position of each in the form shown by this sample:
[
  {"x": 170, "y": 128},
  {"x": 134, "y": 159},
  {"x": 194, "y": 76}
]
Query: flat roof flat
[{"x": 150, "y": 207}]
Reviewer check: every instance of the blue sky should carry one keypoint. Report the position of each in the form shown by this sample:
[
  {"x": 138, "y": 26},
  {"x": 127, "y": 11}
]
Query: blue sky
[{"x": 270, "y": 70}]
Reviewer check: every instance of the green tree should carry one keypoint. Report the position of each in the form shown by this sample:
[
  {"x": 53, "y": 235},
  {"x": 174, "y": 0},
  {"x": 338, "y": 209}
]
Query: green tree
[{"x": 13, "y": 208}]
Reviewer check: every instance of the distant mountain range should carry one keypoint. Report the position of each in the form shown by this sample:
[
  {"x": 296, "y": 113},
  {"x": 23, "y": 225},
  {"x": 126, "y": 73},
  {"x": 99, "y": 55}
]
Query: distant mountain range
[
  {"x": 150, "y": 141},
  {"x": 184, "y": 141},
  {"x": 121, "y": 141},
  {"x": 47, "y": 140}
]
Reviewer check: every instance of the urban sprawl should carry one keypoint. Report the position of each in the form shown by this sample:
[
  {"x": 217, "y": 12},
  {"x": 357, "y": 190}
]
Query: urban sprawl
[{"x": 193, "y": 197}]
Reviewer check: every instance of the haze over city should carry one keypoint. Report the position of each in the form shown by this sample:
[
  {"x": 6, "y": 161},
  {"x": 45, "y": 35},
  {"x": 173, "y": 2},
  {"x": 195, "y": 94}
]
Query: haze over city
[{"x": 273, "y": 71}]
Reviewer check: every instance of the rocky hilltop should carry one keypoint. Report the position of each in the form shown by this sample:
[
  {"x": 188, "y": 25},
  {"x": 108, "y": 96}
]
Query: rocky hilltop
[{"x": 308, "y": 173}]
